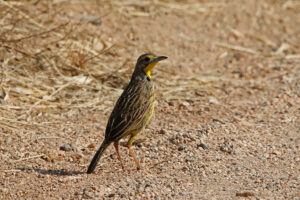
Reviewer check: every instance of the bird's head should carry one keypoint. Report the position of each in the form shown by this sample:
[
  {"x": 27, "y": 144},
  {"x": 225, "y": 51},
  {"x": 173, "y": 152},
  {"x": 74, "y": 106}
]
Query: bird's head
[{"x": 146, "y": 63}]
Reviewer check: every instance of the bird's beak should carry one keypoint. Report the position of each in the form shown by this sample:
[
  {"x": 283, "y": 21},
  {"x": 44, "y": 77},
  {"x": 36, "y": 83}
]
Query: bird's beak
[{"x": 158, "y": 58}]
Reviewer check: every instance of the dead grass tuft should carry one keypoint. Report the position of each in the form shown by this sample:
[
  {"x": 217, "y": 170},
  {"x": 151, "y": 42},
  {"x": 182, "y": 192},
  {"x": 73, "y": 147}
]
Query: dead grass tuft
[{"x": 49, "y": 67}]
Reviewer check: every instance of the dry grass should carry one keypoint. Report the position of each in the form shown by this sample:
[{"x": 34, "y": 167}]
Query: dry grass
[{"x": 48, "y": 68}]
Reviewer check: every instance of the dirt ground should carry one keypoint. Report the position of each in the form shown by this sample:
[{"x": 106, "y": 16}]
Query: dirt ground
[{"x": 227, "y": 119}]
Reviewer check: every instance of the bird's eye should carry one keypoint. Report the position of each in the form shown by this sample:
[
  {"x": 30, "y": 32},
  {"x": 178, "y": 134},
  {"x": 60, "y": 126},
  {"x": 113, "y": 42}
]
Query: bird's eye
[{"x": 147, "y": 59}]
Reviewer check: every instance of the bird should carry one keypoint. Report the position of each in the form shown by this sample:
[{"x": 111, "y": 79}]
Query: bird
[{"x": 133, "y": 110}]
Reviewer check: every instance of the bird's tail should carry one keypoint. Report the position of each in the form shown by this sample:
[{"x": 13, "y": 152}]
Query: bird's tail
[{"x": 97, "y": 156}]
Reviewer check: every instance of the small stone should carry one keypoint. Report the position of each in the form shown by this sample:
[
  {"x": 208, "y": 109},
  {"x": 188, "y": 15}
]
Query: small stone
[
  {"x": 96, "y": 21},
  {"x": 222, "y": 148},
  {"x": 213, "y": 100},
  {"x": 77, "y": 156},
  {"x": 202, "y": 145},
  {"x": 171, "y": 103},
  {"x": 67, "y": 147},
  {"x": 218, "y": 120},
  {"x": 172, "y": 140},
  {"x": 93, "y": 187},
  {"x": 277, "y": 68},
  {"x": 188, "y": 159},
  {"x": 91, "y": 146},
  {"x": 162, "y": 131},
  {"x": 184, "y": 168},
  {"x": 87, "y": 195},
  {"x": 244, "y": 194},
  {"x": 276, "y": 153},
  {"x": 266, "y": 155},
  {"x": 111, "y": 195},
  {"x": 180, "y": 148},
  {"x": 184, "y": 105}
]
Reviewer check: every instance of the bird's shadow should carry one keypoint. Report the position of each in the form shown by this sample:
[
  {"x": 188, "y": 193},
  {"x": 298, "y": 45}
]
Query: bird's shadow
[{"x": 56, "y": 172}]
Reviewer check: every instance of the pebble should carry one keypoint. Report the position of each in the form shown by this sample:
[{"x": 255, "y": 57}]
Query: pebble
[
  {"x": 180, "y": 148},
  {"x": 244, "y": 194},
  {"x": 96, "y": 21},
  {"x": 202, "y": 145},
  {"x": 213, "y": 100},
  {"x": 189, "y": 159},
  {"x": 162, "y": 131},
  {"x": 172, "y": 140},
  {"x": 171, "y": 103},
  {"x": 91, "y": 146},
  {"x": 184, "y": 105},
  {"x": 68, "y": 147},
  {"x": 111, "y": 195}
]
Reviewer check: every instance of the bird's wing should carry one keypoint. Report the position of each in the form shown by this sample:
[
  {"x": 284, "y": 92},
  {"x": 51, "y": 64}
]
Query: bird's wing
[{"x": 127, "y": 114}]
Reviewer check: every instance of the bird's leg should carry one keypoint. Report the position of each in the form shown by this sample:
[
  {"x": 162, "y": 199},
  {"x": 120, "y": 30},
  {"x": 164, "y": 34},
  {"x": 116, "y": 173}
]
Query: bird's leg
[
  {"x": 138, "y": 167},
  {"x": 131, "y": 152},
  {"x": 116, "y": 145}
]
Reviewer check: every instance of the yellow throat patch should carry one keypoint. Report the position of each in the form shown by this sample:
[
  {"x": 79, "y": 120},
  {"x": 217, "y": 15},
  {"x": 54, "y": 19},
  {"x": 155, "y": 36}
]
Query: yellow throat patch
[{"x": 150, "y": 67}]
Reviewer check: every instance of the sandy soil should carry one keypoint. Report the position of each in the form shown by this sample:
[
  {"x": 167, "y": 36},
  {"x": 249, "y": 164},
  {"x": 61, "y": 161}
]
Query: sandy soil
[{"x": 227, "y": 121}]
